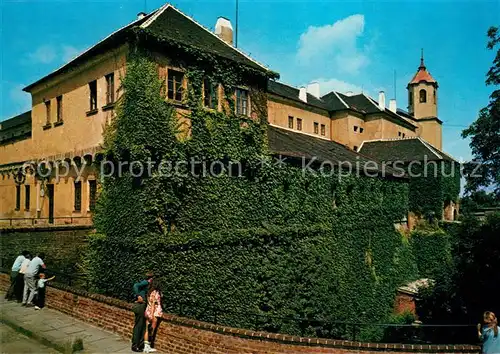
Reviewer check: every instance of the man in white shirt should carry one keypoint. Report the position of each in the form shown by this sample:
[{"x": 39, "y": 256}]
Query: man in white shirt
[
  {"x": 16, "y": 281},
  {"x": 29, "y": 279}
]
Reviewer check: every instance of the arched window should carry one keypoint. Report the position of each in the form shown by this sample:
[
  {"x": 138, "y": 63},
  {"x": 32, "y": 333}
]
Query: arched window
[
  {"x": 410, "y": 98},
  {"x": 434, "y": 96},
  {"x": 423, "y": 96}
]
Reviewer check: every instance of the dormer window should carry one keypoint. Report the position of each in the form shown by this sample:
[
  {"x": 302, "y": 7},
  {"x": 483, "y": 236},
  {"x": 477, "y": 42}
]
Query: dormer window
[{"x": 423, "y": 96}]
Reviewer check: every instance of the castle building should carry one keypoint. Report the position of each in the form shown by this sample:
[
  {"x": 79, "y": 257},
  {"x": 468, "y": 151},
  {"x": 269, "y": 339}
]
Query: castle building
[{"x": 72, "y": 105}]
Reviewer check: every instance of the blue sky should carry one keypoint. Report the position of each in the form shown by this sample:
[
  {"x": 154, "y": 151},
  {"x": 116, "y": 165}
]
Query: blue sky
[{"x": 345, "y": 45}]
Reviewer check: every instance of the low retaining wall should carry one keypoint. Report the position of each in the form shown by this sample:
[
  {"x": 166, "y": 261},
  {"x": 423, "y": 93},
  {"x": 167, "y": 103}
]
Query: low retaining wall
[{"x": 183, "y": 336}]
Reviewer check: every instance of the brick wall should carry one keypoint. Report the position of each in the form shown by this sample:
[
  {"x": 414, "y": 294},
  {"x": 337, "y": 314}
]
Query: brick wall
[
  {"x": 179, "y": 335},
  {"x": 404, "y": 303}
]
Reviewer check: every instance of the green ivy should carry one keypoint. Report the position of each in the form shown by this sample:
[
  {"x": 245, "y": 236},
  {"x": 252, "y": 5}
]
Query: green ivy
[
  {"x": 276, "y": 241},
  {"x": 436, "y": 186}
]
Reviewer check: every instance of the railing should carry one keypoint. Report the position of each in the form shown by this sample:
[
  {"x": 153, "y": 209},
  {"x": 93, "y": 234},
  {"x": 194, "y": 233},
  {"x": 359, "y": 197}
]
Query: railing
[
  {"x": 415, "y": 333},
  {"x": 56, "y": 220}
]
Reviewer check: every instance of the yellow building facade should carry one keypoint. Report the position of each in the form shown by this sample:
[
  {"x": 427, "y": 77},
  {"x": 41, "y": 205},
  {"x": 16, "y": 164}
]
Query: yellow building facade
[{"x": 72, "y": 106}]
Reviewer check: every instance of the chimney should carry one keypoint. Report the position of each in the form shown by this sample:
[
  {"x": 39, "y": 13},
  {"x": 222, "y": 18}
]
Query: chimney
[
  {"x": 303, "y": 94},
  {"x": 141, "y": 15},
  {"x": 381, "y": 100},
  {"x": 224, "y": 30},
  {"x": 313, "y": 89},
  {"x": 392, "y": 105}
]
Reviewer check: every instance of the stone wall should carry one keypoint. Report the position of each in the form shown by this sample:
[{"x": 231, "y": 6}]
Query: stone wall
[
  {"x": 183, "y": 336},
  {"x": 62, "y": 246}
]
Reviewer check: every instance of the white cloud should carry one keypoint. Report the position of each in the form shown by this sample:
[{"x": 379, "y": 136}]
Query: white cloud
[
  {"x": 44, "y": 54},
  {"x": 69, "y": 52},
  {"x": 334, "y": 45},
  {"x": 328, "y": 85},
  {"x": 49, "y": 53}
]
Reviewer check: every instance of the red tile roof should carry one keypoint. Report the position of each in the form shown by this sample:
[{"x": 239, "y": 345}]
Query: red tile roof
[{"x": 422, "y": 75}]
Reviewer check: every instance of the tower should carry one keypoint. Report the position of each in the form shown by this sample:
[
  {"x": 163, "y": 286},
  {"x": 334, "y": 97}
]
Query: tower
[{"x": 422, "y": 104}]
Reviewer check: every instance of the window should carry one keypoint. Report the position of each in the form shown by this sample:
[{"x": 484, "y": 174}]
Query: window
[
  {"x": 361, "y": 130},
  {"x": 410, "y": 98},
  {"x": 92, "y": 194},
  {"x": 242, "y": 102},
  {"x": 404, "y": 135},
  {"x": 316, "y": 128},
  {"x": 290, "y": 122},
  {"x": 27, "y": 197},
  {"x": 78, "y": 196},
  {"x": 323, "y": 129},
  {"x": 47, "y": 112},
  {"x": 175, "y": 88},
  {"x": 93, "y": 95},
  {"x": 355, "y": 128},
  {"x": 110, "y": 88},
  {"x": 434, "y": 96},
  {"x": 423, "y": 96},
  {"x": 355, "y": 148},
  {"x": 399, "y": 133},
  {"x": 59, "y": 108},
  {"x": 210, "y": 95},
  {"x": 18, "y": 197},
  {"x": 299, "y": 124}
]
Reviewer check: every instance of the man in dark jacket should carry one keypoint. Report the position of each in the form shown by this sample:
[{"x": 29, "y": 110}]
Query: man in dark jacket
[{"x": 140, "y": 301}]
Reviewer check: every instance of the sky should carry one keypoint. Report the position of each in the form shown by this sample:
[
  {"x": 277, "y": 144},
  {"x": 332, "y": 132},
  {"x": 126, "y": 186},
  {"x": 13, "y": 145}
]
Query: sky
[{"x": 344, "y": 45}]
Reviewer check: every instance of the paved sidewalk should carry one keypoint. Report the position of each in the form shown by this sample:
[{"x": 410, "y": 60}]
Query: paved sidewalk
[{"x": 58, "y": 329}]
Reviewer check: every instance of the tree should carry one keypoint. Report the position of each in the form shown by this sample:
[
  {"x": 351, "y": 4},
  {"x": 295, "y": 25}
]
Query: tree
[
  {"x": 485, "y": 131},
  {"x": 478, "y": 199}
]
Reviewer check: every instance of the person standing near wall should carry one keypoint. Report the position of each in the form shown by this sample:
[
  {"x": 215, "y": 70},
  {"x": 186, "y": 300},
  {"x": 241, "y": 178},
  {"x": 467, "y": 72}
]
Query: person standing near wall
[
  {"x": 488, "y": 333},
  {"x": 16, "y": 279},
  {"x": 140, "y": 292},
  {"x": 29, "y": 279}
]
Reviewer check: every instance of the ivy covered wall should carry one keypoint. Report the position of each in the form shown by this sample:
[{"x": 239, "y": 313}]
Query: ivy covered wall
[
  {"x": 435, "y": 186},
  {"x": 276, "y": 240}
]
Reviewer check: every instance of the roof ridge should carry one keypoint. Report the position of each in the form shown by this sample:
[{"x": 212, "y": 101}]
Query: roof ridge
[
  {"x": 430, "y": 147},
  {"x": 89, "y": 48},
  {"x": 167, "y": 5},
  {"x": 372, "y": 101},
  {"x": 341, "y": 100}
]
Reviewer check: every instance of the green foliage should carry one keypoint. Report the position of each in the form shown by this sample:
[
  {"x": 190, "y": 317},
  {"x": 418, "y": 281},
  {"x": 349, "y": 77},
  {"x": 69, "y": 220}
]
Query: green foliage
[
  {"x": 478, "y": 200},
  {"x": 432, "y": 250},
  {"x": 438, "y": 184},
  {"x": 62, "y": 248},
  {"x": 470, "y": 285},
  {"x": 485, "y": 131},
  {"x": 276, "y": 241}
]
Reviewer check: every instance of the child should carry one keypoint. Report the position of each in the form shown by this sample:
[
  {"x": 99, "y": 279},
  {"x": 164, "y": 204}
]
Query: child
[
  {"x": 40, "y": 300},
  {"x": 153, "y": 312}
]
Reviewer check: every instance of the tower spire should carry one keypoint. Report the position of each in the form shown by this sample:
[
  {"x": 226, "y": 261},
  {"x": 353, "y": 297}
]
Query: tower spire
[{"x": 422, "y": 65}]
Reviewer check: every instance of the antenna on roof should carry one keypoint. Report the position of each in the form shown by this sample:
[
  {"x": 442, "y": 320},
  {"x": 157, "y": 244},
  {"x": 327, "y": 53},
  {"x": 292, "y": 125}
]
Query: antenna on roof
[
  {"x": 395, "y": 84},
  {"x": 236, "y": 34}
]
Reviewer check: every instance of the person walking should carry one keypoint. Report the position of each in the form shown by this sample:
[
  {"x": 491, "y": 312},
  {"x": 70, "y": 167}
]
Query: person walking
[
  {"x": 153, "y": 312},
  {"x": 16, "y": 280},
  {"x": 140, "y": 290},
  {"x": 29, "y": 279},
  {"x": 488, "y": 333}
]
